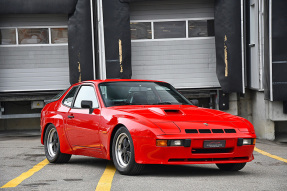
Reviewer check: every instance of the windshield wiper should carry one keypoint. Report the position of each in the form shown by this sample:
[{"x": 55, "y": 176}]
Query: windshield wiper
[
  {"x": 163, "y": 103},
  {"x": 169, "y": 103}
]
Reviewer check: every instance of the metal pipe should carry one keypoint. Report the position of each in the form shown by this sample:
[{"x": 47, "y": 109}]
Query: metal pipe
[
  {"x": 101, "y": 38},
  {"x": 270, "y": 49},
  {"x": 260, "y": 31},
  {"x": 93, "y": 40},
  {"x": 242, "y": 47}
]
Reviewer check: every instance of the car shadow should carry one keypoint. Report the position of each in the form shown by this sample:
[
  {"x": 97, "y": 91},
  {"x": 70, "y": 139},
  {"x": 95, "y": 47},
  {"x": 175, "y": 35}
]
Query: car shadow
[
  {"x": 161, "y": 170},
  {"x": 188, "y": 171},
  {"x": 88, "y": 161}
]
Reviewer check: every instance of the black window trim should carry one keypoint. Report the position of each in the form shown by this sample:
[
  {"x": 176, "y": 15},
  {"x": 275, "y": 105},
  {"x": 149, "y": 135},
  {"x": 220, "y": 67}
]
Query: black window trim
[
  {"x": 73, "y": 96},
  {"x": 169, "y": 85},
  {"x": 173, "y": 20},
  {"x": 76, "y": 94},
  {"x": 17, "y": 44}
]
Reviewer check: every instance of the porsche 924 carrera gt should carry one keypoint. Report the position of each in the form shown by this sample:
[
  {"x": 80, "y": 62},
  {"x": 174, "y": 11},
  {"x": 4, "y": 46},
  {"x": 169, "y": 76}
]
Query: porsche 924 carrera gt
[{"x": 137, "y": 122}]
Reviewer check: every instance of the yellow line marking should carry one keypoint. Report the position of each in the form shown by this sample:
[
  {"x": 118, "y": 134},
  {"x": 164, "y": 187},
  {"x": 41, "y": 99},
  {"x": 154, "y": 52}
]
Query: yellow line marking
[
  {"x": 270, "y": 155},
  {"x": 16, "y": 181},
  {"x": 105, "y": 183}
]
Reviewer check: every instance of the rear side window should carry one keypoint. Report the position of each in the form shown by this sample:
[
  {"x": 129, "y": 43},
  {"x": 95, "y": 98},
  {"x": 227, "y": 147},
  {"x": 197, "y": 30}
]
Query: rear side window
[{"x": 68, "y": 100}]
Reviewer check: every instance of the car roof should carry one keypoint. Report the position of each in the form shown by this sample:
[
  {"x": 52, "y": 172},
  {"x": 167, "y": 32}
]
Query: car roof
[{"x": 116, "y": 80}]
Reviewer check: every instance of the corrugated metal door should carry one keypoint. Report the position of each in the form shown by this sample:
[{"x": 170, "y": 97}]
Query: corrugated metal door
[
  {"x": 185, "y": 62},
  {"x": 33, "y": 66}
]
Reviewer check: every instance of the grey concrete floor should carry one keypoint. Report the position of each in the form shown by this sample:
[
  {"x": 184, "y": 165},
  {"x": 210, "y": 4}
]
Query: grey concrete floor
[{"x": 20, "y": 153}]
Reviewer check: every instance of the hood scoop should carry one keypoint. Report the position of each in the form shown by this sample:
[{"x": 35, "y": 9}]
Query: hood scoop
[
  {"x": 160, "y": 111},
  {"x": 173, "y": 112}
]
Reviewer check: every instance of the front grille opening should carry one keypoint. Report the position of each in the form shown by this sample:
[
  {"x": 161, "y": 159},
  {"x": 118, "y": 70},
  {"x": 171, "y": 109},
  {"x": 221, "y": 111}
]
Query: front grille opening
[
  {"x": 217, "y": 131},
  {"x": 208, "y": 151},
  {"x": 204, "y": 130},
  {"x": 176, "y": 160},
  {"x": 207, "y": 159},
  {"x": 241, "y": 158},
  {"x": 197, "y": 160},
  {"x": 191, "y": 131},
  {"x": 229, "y": 130}
]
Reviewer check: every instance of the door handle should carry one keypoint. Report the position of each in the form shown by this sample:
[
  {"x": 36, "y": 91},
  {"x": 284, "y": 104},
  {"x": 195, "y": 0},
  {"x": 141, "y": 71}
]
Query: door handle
[
  {"x": 70, "y": 116},
  {"x": 251, "y": 45}
]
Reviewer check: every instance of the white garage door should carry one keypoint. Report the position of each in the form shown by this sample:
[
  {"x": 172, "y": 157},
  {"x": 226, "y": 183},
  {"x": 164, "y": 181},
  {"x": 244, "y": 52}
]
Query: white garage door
[
  {"x": 33, "y": 52},
  {"x": 174, "y": 41}
]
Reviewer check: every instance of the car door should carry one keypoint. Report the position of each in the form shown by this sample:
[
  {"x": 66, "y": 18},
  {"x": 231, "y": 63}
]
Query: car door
[{"x": 82, "y": 125}]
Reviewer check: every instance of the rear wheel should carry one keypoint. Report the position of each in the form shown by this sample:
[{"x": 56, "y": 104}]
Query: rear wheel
[
  {"x": 231, "y": 166},
  {"x": 123, "y": 153},
  {"x": 52, "y": 146}
]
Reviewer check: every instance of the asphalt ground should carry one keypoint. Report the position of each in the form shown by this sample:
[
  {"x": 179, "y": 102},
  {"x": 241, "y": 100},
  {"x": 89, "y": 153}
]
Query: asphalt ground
[{"x": 23, "y": 156}]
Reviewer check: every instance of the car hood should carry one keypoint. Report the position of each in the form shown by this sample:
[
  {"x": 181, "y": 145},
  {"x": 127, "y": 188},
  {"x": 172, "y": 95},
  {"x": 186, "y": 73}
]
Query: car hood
[
  {"x": 178, "y": 113},
  {"x": 178, "y": 118}
]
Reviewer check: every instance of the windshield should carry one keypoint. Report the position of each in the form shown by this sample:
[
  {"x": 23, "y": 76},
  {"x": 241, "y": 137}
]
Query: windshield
[{"x": 140, "y": 93}]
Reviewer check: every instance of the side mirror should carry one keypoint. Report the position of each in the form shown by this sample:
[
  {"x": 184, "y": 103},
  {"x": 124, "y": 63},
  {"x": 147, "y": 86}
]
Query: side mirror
[
  {"x": 87, "y": 104},
  {"x": 194, "y": 102}
]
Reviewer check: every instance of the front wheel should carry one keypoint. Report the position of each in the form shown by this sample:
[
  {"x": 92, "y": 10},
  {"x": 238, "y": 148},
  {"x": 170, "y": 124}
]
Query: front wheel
[
  {"x": 52, "y": 146},
  {"x": 231, "y": 166},
  {"x": 123, "y": 153}
]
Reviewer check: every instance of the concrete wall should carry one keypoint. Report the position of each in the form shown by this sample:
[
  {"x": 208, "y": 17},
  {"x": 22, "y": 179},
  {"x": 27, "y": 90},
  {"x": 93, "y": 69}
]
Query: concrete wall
[
  {"x": 233, "y": 104},
  {"x": 260, "y": 112},
  {"x": 264, "y": 127}
]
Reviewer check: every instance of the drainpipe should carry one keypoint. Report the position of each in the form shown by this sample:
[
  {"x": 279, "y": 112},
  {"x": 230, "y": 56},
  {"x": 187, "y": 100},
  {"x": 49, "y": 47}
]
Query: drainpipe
[{"x": 101, "y": 40}]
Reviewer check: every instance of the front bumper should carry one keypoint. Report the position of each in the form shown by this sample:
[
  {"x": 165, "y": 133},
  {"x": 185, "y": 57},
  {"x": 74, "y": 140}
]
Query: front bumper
[{"x": 146, "y": 151}]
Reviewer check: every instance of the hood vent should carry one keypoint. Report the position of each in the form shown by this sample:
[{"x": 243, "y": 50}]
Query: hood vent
[
  {"x": 210, "y": 130},
  {"x": 173, "y": 112},
  {"x": 217, "y": 131},
  {"x": 191, "y": 131},
  {"x": 204, "y": 130},
  {"x": 229, "y": 130}
]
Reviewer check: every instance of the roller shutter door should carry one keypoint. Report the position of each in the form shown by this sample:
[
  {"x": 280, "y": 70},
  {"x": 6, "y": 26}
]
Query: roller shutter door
[
  {"x": 31, "y": 66},
  {"x": 186, "y": 61}
]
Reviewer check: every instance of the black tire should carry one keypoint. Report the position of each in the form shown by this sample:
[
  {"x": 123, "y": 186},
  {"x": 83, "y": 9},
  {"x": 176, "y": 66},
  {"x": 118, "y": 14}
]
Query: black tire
[
  {"x": 52, "y": 146},
  {"x": 231, "y": 166},
  {"x": 125, "y": 162}
]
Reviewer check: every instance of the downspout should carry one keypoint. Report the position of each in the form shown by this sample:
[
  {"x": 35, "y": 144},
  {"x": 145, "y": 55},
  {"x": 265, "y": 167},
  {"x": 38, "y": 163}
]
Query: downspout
[
  {"x": 242, "y": 47},
  {"x": 260, "y": 31},
  {"x": 101, "y": 39},
  {"x": 270, "y": 49},
  {"x": 93, "y": 40}
]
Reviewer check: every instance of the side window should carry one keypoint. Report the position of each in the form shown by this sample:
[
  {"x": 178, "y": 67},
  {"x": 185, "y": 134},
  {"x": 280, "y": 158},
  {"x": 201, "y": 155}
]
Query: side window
[
  {"x": 68, "y": 100},
  {"x": 86, "y": 93}
]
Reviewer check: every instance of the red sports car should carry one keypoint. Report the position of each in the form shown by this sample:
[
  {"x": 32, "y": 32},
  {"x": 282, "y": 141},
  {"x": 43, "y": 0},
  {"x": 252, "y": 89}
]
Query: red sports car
[{"x": 137, "y": 122}]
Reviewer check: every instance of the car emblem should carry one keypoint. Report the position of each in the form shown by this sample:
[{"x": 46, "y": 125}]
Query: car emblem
[{"x": 206, "y": 124}]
